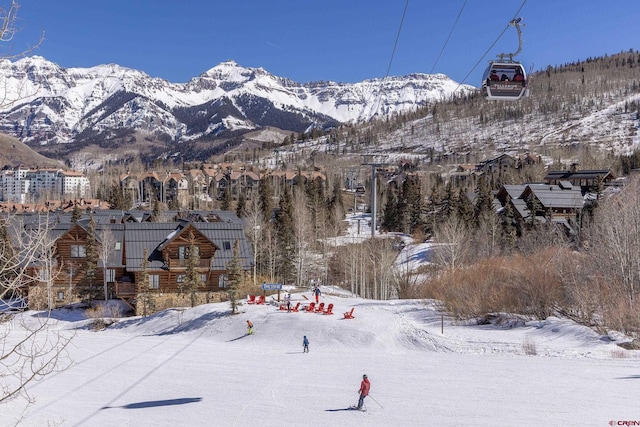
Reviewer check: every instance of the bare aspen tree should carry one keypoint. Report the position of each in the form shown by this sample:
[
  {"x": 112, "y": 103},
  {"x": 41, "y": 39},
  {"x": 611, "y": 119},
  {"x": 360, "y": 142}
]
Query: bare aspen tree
[
  {"x": 405, "y": 280},
  {"x": 452, "y": 236},
  {"x": 327, "y": 232},
  {"x": 253, "y": 226},
  {"x": 48, "y": 267},
  {"x": 383, "y": 259},
  {"x": 270, "y": 251},
  {"x": 107, "y": 242},
  {"x": 34, "y": 348},
  {"x": 488, "y": 237},
  {"x": 614, "y": 241}
]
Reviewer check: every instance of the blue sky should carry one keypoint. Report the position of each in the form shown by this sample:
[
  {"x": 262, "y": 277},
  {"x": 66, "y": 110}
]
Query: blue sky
[{"x": 311, "y": 40}]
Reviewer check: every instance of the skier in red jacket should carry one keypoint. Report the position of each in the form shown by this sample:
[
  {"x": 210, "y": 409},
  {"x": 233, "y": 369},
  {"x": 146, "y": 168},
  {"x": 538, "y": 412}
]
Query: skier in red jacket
[{"x": 365, "y": 385}]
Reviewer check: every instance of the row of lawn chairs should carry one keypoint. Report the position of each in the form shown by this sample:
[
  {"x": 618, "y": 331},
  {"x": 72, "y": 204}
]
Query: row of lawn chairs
[
  {"x": 311, "y": 308},
  {"x": 294, "y": 308},
  {"x": 252, "y": 299}
]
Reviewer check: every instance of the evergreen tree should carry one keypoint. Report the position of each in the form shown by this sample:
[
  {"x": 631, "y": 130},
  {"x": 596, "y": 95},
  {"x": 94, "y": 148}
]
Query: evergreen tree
[
  {"x": 91, "y": 260},
  {"x": 484, "y": 201},
  {"x": 192, "y": 280},
  {"x": 465, "y": 208},
  {"x": 390, "y": 214},
  {"x": 509, "y": 229},
  {"x": 145, "y": 300},
  {"x": 226, "y": 199},
  {"x": 173, "y": 204},
  {"x": 434, "y": 208},
  {"x": 315, "y": 201},
  {"x": 450, "y": 202},
  {"x": 155, "y": 214},
  {"x": 535, "y": 209},
  {"x": 116, "y": 198},
  {"x": 335, "y": 207},
  {"x": 402, "y": 220},
  {"x": 234, "y": 276},
  {"x": 75, "y": 213},
  {"x": 265, "y": 196},
  {"x": 241, "y": 206},
  {"x": 285, "y": 236},
  {"x": 415, "y": 205}
]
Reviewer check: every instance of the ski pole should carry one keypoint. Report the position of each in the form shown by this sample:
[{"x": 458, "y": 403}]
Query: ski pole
[{"x": 376, "y": 401}]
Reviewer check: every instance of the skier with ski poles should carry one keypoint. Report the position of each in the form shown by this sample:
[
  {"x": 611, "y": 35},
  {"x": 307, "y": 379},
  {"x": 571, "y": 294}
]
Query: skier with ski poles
[{"x": 365, "y": 385}]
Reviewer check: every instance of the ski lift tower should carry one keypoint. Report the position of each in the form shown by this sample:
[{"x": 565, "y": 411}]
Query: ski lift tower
[{"x": 374, "y": 161}]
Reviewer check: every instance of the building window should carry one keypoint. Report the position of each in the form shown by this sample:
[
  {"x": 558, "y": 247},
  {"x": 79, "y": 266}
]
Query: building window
[
  {"x": 180, "y": 278},
  {"x": 203, "y": 278},
  {"x": 185, "y": 251},
  {"x": 223, "y": 281},
  {"x": 154, "y": 281},
  {"x": 44, "y": 275},
  {"x": 117, "y": 246},
  {"x": 78, "y": 251},
  {"x": 226, "y": 245},
  {"x": 110, "y": 275},
  {"x": 60, "y": 296}
]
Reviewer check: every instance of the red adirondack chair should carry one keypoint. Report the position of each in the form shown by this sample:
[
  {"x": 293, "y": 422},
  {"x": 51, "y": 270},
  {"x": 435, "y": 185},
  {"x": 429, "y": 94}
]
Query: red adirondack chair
[
  {"x": 295, "y": 309},
  {"x": 260, "y": 300},
  {"x": 329, "y": 309},
  {"x": 251, "y": 299},
  {"x": 349, "y": 314},
  {"x": 310, "y": 307},
  {"x": 320, "y": 308}
]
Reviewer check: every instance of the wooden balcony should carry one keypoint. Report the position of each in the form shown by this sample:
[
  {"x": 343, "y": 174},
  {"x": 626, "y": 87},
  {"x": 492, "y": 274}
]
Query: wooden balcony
[
  {"x": 178, "y": 264},
  {"x": 125, "y": 289}
]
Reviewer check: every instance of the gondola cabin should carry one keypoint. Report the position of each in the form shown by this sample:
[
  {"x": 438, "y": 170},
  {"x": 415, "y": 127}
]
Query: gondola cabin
[{"x": 504, "y": 81}]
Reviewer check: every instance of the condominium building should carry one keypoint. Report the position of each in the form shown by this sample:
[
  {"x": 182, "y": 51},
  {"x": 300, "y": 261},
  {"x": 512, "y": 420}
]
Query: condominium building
[{"x": 22, "y": 185}]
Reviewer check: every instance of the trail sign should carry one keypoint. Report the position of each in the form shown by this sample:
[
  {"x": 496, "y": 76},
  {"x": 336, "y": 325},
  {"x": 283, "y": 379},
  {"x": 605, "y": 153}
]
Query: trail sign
[{"x": 272, "y": 286}]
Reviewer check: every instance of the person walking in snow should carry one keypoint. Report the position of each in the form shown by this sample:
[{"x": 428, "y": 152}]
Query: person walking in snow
[
  {"x": 305, "y": 345},
  {"x": 287, "y": 301},
  {"x": 316, "y": 292},
  {"x": 249, "y": 327},
  {"x": 365, "y": 385}
]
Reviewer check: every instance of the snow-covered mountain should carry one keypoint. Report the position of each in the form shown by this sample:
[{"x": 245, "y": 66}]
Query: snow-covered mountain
[{"x": 44, "y": 103}]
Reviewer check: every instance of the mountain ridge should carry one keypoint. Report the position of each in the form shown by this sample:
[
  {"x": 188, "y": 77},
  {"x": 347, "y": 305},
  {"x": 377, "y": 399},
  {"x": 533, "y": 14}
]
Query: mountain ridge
[{"x": 51, "y": 105}]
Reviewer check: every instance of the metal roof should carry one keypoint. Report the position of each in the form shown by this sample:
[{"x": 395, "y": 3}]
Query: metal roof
[
  {"x": 135, "y": 237},
  {"x": 578, "y": 174},
  {"x": 553, "y": 196}
]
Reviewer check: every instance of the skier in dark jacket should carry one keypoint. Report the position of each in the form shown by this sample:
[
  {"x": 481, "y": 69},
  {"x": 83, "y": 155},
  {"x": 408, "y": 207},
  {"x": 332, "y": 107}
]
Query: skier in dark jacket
[
  {"x": 364, "y": 390},
  {"x": 305, "y": 345}
]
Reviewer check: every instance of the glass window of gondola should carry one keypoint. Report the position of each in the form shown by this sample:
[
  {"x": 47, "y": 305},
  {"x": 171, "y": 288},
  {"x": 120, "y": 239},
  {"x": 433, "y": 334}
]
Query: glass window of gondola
[{"x": 504, "y": 71}]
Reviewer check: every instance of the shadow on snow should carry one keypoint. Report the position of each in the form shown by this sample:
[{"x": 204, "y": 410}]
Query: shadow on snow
[{"x": 154, "y": 403}]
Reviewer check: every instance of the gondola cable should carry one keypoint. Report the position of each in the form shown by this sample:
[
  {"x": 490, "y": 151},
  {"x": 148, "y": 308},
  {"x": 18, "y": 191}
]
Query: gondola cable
[
  {"x": 395, "y": 44},
  {"x": 448, "y": 37}
]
